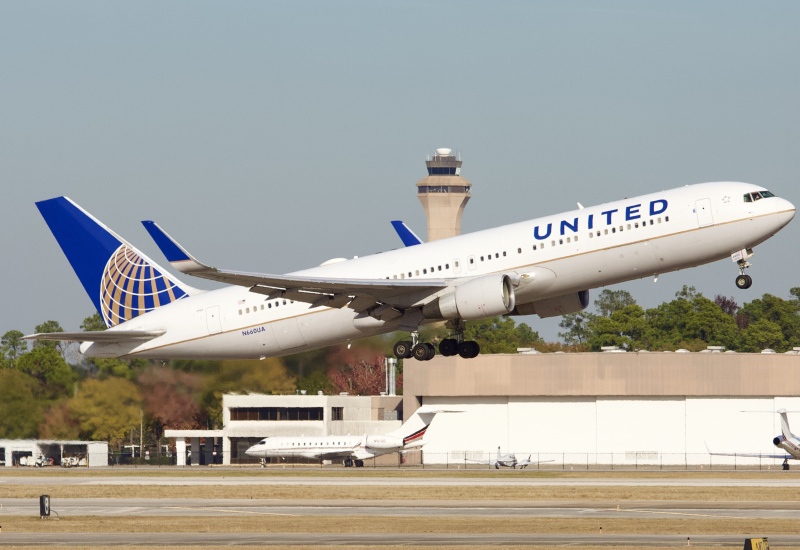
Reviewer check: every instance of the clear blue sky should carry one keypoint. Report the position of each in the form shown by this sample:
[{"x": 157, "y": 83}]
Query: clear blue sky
[{"x": 272, "y": 136}]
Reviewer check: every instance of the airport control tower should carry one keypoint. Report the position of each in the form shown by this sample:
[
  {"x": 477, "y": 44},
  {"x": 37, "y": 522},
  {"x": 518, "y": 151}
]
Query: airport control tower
[{"x": 443, "y": 194}]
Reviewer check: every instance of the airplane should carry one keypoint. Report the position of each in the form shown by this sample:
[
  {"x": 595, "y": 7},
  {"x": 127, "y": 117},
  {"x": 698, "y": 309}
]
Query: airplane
[
  {"x": 509, "y": 461},
  {"x": 351, "y": 449},
  {"x": 544, "y": 266},
  {"x": 786, "y": 441}
]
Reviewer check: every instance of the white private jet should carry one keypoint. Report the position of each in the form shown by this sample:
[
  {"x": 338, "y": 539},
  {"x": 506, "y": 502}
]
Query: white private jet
[
  {"x": 786, "y": 441},
  {"x": 350, "y": 449},
  {"x": 543, "y": 266},
  {"x": 509, "y": 460}
]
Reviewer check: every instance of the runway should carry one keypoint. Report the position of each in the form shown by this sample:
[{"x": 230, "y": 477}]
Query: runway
[
  {"x": 767, "y": 479},
  {"x": 412, "y": 540},
  {"x": 191, "y": 507},
  {"x": 141, "y": 514}
]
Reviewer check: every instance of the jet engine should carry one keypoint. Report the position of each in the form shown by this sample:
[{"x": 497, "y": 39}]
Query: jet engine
[
  {"x": 383, "y": 442},
  {"x": 476, "y": 299},
  {"x": 558, "y": 305}
]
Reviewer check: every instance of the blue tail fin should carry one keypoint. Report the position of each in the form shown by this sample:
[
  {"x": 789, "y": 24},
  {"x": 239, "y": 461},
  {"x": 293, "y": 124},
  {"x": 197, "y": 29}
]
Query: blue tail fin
[{"x": 122, "y": 282}]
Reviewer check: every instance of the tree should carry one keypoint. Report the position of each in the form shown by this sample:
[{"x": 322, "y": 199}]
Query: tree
[
  {"x": 47, "y": 366},
  {"x": 359, "y": 374},
  {"x": 20, "y": 412},
  {"x": 624, "y": 328},
  {"x": 93, "y": 323},
  {"x": 577, "y": 328},
  {"x": 12, "y": 346},
  {"x": 785, "y": 314},
  {"x": 171, "y": 399},
  {"x": 727, "y": 305},
  {"x": 501, "y": 335},
  {"x": 106, "y": 410},
  {"x": 762, "y": 334},
  {"x": 58, "y": 423},
  {"x": 46, "y": 328},
  {"x": 609, "y": 301}
]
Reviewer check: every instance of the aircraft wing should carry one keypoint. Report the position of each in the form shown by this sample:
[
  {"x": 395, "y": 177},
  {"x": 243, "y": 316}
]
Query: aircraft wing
[
  {"x": 106, "y": 336},
  {"x": 783, "y": 456},
  {"x": 361, "y": 294}
]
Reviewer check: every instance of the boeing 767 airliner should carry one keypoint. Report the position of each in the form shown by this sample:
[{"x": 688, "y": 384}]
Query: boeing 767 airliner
[{"x": 544, "y": 266}]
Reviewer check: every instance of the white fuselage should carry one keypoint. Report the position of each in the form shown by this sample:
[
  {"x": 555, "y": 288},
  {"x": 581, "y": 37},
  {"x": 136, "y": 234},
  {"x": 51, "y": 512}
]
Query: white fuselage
[
  {"x": 552, "y": 256},
  {"x": 328, "y": 447}
]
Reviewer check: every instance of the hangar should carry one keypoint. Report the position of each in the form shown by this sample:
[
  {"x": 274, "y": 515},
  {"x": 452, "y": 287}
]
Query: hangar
[
  {"x": 15, "y": 452},
  {"x": 609, "y": 409}
]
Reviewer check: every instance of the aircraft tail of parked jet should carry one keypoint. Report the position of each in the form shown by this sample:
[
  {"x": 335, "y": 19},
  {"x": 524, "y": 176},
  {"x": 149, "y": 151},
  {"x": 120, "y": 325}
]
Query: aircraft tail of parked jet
[
  {"x": 786, "y": 441},
  {"x": 121, "y": 281}
]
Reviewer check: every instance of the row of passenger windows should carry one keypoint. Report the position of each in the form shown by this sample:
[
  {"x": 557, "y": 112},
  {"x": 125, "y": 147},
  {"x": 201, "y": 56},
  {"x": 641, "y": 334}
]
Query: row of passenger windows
[
  {"x": 538, "y": 246},
  {"x": 268, "y": 305},
  {"x": 599, "y": 233}
]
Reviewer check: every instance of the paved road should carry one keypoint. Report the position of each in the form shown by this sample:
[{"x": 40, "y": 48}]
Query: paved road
[
  {"x": 774, "y": 479},
  {"x": 66, "y": 507},
  {"x": 393, "y": 539}
]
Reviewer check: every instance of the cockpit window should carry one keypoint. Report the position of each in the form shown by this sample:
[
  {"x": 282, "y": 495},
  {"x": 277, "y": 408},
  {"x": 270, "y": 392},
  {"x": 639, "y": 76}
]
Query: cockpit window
[
  {"x": 262, "y": 442},
  {"x": 756, "y": 195}
]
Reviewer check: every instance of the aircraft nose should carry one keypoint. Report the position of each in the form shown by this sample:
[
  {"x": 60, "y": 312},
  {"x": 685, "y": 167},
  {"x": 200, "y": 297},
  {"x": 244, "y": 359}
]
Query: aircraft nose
[
  {"x": 251, "y": 451},
  {"x": 785, "y": 210}
]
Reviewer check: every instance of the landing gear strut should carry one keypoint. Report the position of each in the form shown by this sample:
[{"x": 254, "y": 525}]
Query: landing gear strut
[
  {"x": 743, "y": 281},
  {"x": 454, "y": 345}
]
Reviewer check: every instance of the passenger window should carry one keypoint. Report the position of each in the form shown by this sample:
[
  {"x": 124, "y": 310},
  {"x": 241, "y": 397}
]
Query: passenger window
[
  {"x": 534, "y": 247},
  {"x": 666, "y": 218}
]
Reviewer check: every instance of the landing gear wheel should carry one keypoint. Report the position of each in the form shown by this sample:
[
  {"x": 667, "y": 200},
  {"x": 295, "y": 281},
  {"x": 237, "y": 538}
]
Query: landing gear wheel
[
  {"x": 448, "y": 347},
  {"x": 424, "y": 352},
  {"x": 469, "y": 349},
  {"x": 348, "y": 462},
  {"x": 359, "y": 463},
  {"x": 744, "y": 281},
  {"x": 403, "y": 349}
]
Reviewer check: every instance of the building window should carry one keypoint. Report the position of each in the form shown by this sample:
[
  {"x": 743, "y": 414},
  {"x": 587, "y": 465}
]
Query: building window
[
  {"x": 337, "y": 413},
  {"x": 276, "y": 413}
]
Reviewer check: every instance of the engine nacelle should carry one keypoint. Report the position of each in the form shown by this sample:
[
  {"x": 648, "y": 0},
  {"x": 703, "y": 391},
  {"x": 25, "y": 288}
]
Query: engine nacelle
[
  {"x": 558, "y": 305},
  {"x": 476, "y": 299},
  {"x": 383, "y": 442}
]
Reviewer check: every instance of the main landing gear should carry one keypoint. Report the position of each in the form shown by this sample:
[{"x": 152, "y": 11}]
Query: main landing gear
[
  {"x": 740, "y": 257},
  {"x": 424, "y": 351},
  {"x": 349, "y": 463}
]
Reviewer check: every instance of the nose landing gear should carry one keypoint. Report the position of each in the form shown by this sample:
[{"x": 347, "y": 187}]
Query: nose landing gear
[{"x": 740, "y": 257}]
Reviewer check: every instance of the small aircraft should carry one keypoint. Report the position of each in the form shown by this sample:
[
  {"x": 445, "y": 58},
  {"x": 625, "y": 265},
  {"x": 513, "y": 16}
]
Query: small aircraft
[
  {"x": 543, "y": 267},
  {"x": 786, "y": 441},
  {"x": 352, "y": 450},
  {"x": 509, "y": 460}
]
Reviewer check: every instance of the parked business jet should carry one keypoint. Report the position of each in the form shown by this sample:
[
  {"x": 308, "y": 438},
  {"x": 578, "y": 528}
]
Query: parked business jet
[
  {"x": 544, "y": 266},
  {"x": 786, "y": 441},
  {"x": 509, "y": 460},
  {"x": 350, "y": 449}
]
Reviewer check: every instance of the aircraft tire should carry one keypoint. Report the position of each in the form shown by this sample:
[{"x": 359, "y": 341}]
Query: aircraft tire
[
  {"x": 424, "y": 352},
  {"x": 448, "y": 347},
  {"x": 469, "y": 349},
  {"x": 744, "y": 281},
  {"x": 403, "y": 349},
  {"x": 359, "y": 463}
]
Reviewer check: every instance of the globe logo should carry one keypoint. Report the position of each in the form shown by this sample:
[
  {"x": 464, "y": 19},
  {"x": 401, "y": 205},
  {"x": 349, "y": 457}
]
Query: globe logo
[{"x": 131, "y": 286}]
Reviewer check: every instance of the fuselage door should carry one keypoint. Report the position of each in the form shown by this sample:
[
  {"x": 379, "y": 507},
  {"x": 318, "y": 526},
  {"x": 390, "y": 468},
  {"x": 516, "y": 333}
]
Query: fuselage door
[
  {"x": 704, "y": 216},
  {"x": 212, "y": 320}
]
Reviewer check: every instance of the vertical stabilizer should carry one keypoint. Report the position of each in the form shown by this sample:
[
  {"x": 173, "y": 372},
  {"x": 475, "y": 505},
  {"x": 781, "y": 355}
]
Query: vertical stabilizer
[
  {"x": 787, "y": 433},
  {"x": 414, "y": 428},
  {"x": 121, "y": 281}
]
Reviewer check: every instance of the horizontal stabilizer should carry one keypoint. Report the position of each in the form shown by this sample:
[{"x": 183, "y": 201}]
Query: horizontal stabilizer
[{"x": 105, "y": 336}]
